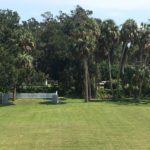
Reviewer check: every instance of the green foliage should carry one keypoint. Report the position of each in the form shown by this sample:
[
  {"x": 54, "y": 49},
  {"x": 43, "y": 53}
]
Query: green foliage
[
  {"x": 104, "y": 71},
  {"x": 56, "y": 48},
  {"x": 103, "y": 94},
  {"x": 83, "y": 32},
  {"x": 132, "y": 80},
  {"x": 16, "y": 63},
  {"x": 24, "y": 39},
  {"x": 128, "y": 37},
  {"x": 109, "y": 35},
  {"x": 129, "y": 31}
]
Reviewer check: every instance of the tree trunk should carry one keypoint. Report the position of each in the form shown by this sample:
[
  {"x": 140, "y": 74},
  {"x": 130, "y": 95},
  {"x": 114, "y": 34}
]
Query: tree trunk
[
  {"x": 110, "y": 76},
  {"x": 141, "y": 54},
  {"x": 89, "y": 87},
  {"x": 14, "y": 93},
  {"x": 121, "y": 68},
  {"x": 123, "y": 59},
  {"x": 96, "y": 80},
  {"x": 86, "y": 78},
  {"x": 95, "y": 87},
  {"x": 142, "y": 80}
]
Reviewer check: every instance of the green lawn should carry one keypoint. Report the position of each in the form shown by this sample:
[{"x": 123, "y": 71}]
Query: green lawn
[{"x": 74, "y": 125}]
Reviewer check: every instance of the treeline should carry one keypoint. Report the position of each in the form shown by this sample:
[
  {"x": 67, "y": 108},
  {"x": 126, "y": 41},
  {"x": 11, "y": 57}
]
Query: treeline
[{"x": 74, "y": 53}]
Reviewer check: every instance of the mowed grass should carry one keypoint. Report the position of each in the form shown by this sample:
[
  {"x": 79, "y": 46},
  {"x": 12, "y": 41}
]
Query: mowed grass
[{"x": 74, "y": 125}]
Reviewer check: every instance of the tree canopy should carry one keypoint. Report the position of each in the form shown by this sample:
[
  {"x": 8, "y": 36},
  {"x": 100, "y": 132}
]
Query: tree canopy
[{"x": 75, "y": 53}]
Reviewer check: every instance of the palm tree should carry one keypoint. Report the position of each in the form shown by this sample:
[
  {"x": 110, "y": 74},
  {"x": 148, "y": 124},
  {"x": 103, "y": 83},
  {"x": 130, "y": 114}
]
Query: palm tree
[
  {"x": 128, "y": 36},
  {"x": 147, "y": 54},
  {"x": 24, "y": 41},
  {"x": 109, "y": 39},
  {"x": 25, "y": 60},
  {"x": 84, "y": 34},
  {"x": 144, "y": 49}
]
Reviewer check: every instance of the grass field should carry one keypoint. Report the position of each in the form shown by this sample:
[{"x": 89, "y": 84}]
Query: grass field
[{"x": 74, "y": 125}]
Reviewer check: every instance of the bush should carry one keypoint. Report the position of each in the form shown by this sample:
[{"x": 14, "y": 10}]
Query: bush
[
  {"x": 36, "y": 89},
  {"x": 103, "y": 93}
]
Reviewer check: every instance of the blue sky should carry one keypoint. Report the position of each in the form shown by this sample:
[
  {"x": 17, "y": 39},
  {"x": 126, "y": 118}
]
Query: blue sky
[{"x": 119, "y": 10}]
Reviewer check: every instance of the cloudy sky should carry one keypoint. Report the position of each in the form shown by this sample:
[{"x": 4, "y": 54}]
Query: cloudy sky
[{"x": 119, "y": 10}]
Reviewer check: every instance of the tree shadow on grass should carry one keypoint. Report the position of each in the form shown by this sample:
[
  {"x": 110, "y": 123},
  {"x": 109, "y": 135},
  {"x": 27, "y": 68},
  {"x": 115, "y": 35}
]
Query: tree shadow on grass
[
  {"x": 129, "y": 102},
  {"x": 96, "y": 100},
  {"x": 125, "y": 101},
  {"x": 62, "y": 98},
  {"x": 5, "y": 105},
  {"x": 71, "y": 99},
  {"x": 51, "y": 103}
]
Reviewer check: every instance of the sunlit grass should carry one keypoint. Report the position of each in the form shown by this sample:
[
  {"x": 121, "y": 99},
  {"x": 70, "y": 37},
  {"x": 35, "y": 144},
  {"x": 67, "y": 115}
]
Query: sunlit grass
[{"x": 74, "y": 125}]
